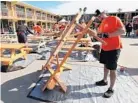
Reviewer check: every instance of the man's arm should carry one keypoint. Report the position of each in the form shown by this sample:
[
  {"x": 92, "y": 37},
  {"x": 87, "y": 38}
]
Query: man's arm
[
  {"x": 29, "y": 30},
  {"x": 118, "y": 32}
]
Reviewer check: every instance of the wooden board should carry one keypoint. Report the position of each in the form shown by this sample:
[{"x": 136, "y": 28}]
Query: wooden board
[
  {"x": 11, "y": 46},
  {"x": 76, "y": 48},
  {"x": 74, "y": 39},
  {"x": 36, "y": 37}
]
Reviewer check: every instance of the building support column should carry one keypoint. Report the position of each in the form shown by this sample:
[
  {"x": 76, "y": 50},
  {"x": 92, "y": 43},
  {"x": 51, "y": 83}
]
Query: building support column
[
  {"x": 46, "y": 25},
  {"x": 14, "y": 27}
]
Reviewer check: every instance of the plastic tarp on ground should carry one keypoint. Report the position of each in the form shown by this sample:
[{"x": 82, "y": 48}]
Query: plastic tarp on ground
[{"x": 81, "y": 89}]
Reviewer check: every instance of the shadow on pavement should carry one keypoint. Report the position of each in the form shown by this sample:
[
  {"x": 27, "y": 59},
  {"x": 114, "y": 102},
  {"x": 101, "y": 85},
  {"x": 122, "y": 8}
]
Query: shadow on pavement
[
  {"x": 135, "y": 44},
  {"x": 16, "y": 90}
]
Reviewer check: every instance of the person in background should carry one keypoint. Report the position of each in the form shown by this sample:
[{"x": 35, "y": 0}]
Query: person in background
[
  {"x": 22, "y": 32},
  {"x": 111, "y": 28},
  {"x": 37, "y": 29},
  {"x": 135, "y": 27},
  {"x": 56, "y": 27},
  {"x": 62, "y": 27},
  {"x": 128, "y": 29}
]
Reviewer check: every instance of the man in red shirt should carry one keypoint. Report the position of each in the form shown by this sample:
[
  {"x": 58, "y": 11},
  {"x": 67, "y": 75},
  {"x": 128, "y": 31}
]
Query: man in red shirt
[
  {"x": 37, "y": 29},
  {"x": 111, "y": 28}
]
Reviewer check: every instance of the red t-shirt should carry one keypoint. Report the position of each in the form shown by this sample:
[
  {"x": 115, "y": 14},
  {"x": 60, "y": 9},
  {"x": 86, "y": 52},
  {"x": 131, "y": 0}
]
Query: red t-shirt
[
  {"x": 62, "y": 27},
  {"x": 109, "y": 25},
  {"x": 37, "y": 29}
]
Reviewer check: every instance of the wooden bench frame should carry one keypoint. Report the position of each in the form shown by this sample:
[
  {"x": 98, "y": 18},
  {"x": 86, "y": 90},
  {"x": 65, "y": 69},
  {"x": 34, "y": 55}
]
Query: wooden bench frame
[
  {"x": 13, "y": 56},
  {"x": 55, "y": 75}
]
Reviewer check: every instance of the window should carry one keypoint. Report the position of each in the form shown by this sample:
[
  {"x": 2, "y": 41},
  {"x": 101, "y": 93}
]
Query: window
[
  {"x": 48, "y": 25},
  {"x": 4, "y": 25},
  {"x": 38, "y": 14},
  {"x": 4, "y": 9},
  {"x": 48, "y": 17},
  {"x": 20, "y": 11},
  {"x": 43, "y": 16},
  {"x": 29, "y": 13},
  {"x": 3, "y": 4}
]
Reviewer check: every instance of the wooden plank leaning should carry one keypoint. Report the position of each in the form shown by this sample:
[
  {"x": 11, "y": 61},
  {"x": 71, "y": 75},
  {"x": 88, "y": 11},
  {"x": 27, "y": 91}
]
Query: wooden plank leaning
[{"x": 55, "y": 53}]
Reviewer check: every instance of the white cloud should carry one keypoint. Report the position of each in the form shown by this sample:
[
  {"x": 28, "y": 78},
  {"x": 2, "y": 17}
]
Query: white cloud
[{"x": 111, "y": 6}]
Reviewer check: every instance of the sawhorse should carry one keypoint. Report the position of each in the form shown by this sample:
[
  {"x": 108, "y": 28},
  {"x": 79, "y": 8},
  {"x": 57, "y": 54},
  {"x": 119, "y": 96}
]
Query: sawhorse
[{"x": 55, "y": 75}]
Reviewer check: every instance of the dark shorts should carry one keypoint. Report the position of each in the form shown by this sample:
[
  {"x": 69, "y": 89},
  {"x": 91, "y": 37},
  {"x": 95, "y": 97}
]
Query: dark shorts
[
  {"x": 22, "y": 38},
  {"x": 110, "y": 58}
]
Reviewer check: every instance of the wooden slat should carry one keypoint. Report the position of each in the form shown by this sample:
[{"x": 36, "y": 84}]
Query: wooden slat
[
  {"x": 74, "y": 39},
  {"x": 57, "y": 60},
  {"x": 82, "y": 39},
  {"x": 12, "y": 45},
  {"x": 76, "y": 48},
  {"x": 27, "y": 49},
  {"x": 65, "y": 66},
  {"x": 5, "y": 59},
  {"x": 49, "y": 34},
  {"x": 37, "y": 37},
  {"x": 92, "y": 33}
]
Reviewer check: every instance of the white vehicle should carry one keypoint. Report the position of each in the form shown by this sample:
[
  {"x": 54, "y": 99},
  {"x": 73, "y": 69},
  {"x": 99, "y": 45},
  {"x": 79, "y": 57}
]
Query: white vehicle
[{"x": 135, "y": 24}]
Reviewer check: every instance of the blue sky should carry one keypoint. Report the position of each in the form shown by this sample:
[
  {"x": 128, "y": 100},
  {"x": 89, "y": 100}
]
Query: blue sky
[{"x": 47, "y": 5}]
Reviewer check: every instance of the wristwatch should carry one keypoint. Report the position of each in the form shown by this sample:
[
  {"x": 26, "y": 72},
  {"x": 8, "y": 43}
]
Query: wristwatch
[{"x": 105, "y": 35}]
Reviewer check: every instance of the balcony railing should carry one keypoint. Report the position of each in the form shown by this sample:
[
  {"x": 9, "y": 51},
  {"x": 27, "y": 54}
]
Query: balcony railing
[
  {"x": 4, "y": 11},
  {"x": 48, "y": 18},
  {"x": 29, "y": 15},
  {"x": 38, "y": 17},
  {"x": 43, "y": 18},
  {"x": 20, "y": 14}
]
